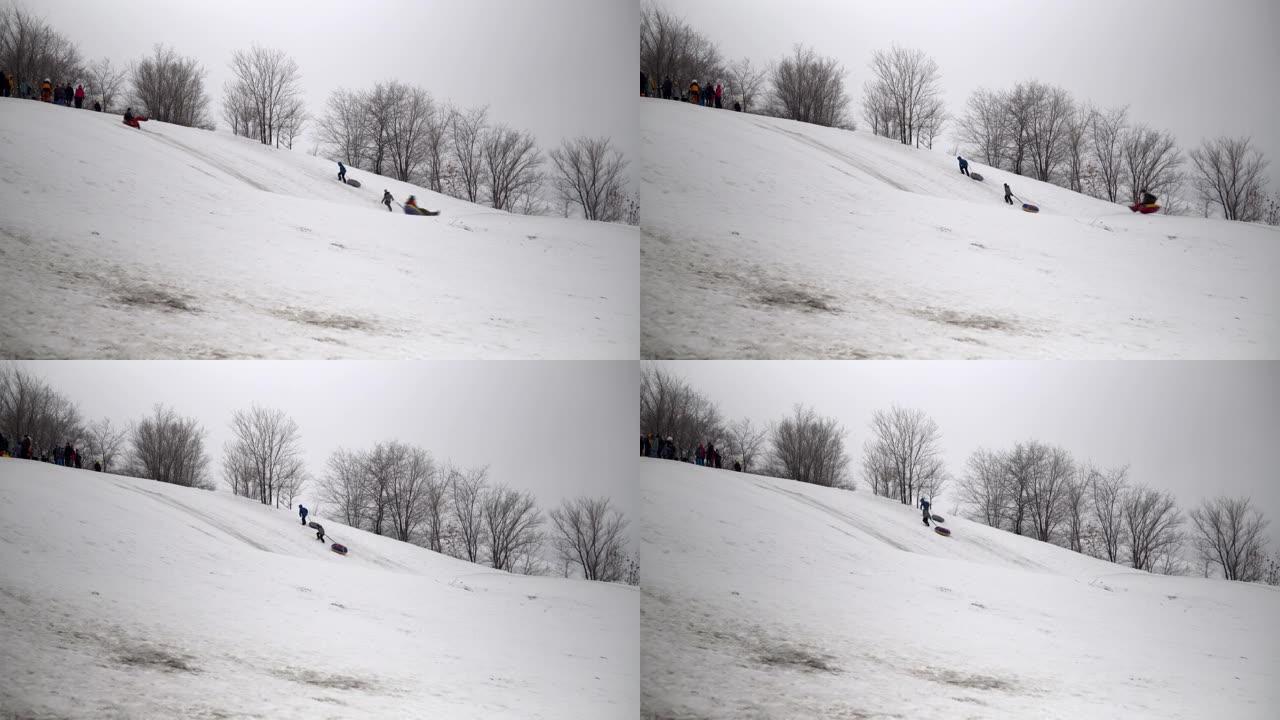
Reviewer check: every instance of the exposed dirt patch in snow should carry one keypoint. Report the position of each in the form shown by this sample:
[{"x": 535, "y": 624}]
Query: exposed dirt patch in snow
[
  {"x": 156, "y": 657},
  {"x": 796, "y": 297},
  {"x": 796, "y": 656},
  {"x": 330, "y": 321},
  {"x": 975, "y": 681},
  {"x": 157, "y": 297},
  {"x": 327, "y": 680}
]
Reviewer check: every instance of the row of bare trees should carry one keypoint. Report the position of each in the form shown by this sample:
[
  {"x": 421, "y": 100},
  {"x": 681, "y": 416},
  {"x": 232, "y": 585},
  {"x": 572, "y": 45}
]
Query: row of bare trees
[
  {"x": 263, "y": 99},
  {"x": 403, "y": 131},
  {"x": 401, "y": 491}
]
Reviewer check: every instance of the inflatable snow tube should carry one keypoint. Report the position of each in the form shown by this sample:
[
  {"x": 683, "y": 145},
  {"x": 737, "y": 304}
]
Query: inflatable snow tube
[
  {"x": 339, "y": 548},
  {"x": 1030, "y": 208},
  {"x": 353, "y": 182},
  {"x": 314, "y": 525},
  {"x": 938, "y": 518},
  {"x": 976, "y": 176},
  {"x": 1144, "y": 209},
  {"x": 942, "y": 531}
]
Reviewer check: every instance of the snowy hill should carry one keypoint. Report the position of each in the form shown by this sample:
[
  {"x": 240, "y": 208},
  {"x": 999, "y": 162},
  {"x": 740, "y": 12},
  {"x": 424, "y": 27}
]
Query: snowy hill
[
  {"x": 125, "y": 598},
  {"x": 768, "y": 238},
  {"x": 176, "y": 243},
  {"x": 767, "y": 598}
]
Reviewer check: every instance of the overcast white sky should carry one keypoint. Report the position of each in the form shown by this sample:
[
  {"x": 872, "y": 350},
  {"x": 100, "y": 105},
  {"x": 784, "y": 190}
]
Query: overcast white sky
[
  {"x": 559, "y": 429},
  {"x": 558, "y": 68},
  {"x": 1193, "y": 67},
  {"x": 1197, "y": 428}
]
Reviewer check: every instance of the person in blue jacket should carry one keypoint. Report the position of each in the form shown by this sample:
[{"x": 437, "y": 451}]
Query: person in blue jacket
[
  {"x": 302, "y": 511},
  {"x": 964, "y": 165},
  {"x": 342, "y": 171},
  {"x": 924, "y": 506}
]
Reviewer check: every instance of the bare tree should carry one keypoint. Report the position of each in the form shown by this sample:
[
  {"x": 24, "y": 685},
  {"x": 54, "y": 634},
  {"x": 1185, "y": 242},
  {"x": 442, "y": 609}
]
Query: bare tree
[
  {"x": 511, "y": 160},
  {"x": 1107, "y": 492},
  {"x": 264, "y": 455},
  {"x": 747, "y": 81},
  {"x": 435, "y": 508},
  {"x": 31, "y": 50},
  {"x": 170, "y": 88},
  {"x": 1023, "y": 467},
  {"x": 746, "y": 441},
  {"x": 106, "y": 441},
  {"x": 411, "y": 113},
  {"x": 591, "y": 533},
  {"x": 466, "y": 145},
  {"x": 434, "y": 147},
  {"x": 1151, "y": 519},
  {"x": 1106, "y": 135},
  {"x": 106, "y": 81},
  {"x": 1075, "y": 146},
  {"x": 589, "y": 173},
  {"x": 809, "y": 448},
  {"x": 984, "y": 128},
  {"x": 1020, "y": 107},
  {"x": 344, "y": 128},
  {"x": 1231, "y": 175},
  {"x": 510, "y": 521},
  {"x": 1075, "y": 498},
  {"x": 904, "y": 454},
  {"x": 809, "y": 88},
  {"x": 1047, "y": 489},
  {"x": 985, "y": 488},
  {"x": 169, "y": 448},
  {"x": 344, "y": 486},
  {"x": 263, "y": 91},
  {"x": 413, "y": 482},
  {"x": 1151, "y": 160},
  {"x": 466, "y": 504},
  {"x": 908, "y": 84},
  {"x": 672, "y": 408},
  {"x": 30, "y": 406},
  {"x": 1229, "y": 533},
  {"x": 1050, "y": 115}
]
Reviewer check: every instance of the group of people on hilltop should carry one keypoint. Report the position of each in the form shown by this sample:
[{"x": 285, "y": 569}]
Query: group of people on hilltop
[
  {"x": 65, "y": 455},
  {"x": 46, "y": 91},
  {"x": 665, "y": 448},
  {"x": 697, "y": 93}
]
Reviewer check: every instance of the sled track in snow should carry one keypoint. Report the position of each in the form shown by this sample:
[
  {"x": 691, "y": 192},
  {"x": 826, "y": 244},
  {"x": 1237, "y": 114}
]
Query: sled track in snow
[
  {"x": 848, "y": 519},
  {"x": 224, "y": 167},
  {"x": 198, "y": 514},
  {"x": 819, "y": 145}
]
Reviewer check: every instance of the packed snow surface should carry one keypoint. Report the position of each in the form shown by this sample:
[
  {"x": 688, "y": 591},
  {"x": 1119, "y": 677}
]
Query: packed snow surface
[
  {"x": 126, "y": 598},
  {"x": 767, "y": 238},
  {"x": 767, "y": 598},
  {"x": 170, "y": 242}
]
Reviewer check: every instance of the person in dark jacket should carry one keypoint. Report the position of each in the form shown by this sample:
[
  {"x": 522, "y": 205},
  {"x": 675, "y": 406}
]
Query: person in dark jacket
[
  {"x": 737, "y": 466},
  {"x": 69, "y": 456},
  {"x": 342, "y": 171},
  {"x": 4, "y": 444},
  {"x": 1008, "y": 194},
  {"x": 644, "y": 445},
  {"x": 924, "y": 507},
  {"x": 25, "y": 448},
  {"x": 737, "y": 106},
  {"x": 97, "y": 106},
  {"x": 666, "y": 88},
  {"x": 319, "y": 531},
  {"x": 6, "y": 87},
  {"x": 97, "y": 466},
  {"x": 644, "y": 84},
  {"x": 302, "y": 511},
  {"x": 964, "y": 165},
  {"x": 387, "y": 199}
]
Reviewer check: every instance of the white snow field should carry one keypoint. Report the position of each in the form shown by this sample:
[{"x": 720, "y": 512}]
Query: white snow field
[
  {"x": 169, "y": 242},
  {"x": 768, "y": 238},
  {"x": 126, "y": 598},
  {"x": 767, "y": 598}
]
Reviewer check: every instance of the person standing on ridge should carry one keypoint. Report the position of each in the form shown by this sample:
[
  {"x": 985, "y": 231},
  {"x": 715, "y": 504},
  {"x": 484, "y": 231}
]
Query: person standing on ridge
[
  {"x": 1008, "y": 194},
  {"x": 964, "y": 165},
  {"x": 342, "y": 171},
  {"x": 79, "y": 95},
  {"x": 693, "y": 92},
  {"x": 6, "y": 89},
  {"x": 666, "y": 88},
  {"x": 644, "y": 84},
  {"x": 302, "y": 512}
]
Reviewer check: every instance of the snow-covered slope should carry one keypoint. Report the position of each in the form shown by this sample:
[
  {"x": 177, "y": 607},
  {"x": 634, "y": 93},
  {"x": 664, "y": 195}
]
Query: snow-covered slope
[
  {"x": 173, "y": 242},
  {"x": 770, "y": 238},
  {"x": 767, "y": 598},
  {"x": 125, "y": 598}
]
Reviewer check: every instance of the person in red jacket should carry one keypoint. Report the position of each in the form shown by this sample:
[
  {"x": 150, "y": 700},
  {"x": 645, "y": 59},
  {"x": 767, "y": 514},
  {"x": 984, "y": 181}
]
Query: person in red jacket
[{"x": 79, "y": 96}]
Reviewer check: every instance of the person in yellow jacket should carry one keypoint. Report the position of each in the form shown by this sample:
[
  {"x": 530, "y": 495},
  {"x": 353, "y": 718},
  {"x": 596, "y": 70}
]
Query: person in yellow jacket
[
  {"x": 693, "y": 92},
  {"x": 46, "y": 91}
]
